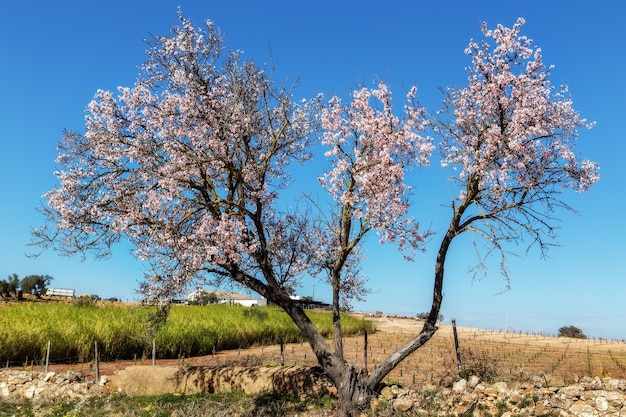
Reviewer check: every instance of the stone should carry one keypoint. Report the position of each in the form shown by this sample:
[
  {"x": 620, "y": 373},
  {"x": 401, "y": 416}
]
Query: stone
[
  {"x": 48, "y": 376},
  {"x": 4, "y": 390},
  {"x": 571, "y": 391},
  {"x": 582, "y": 409},
  {"x": 469, "y": 397},
  {"x": 491, "y": 392},
  {"x": 515, "y": 397},
  {"x": 430, "y": 388},
  {"x": 30, "y": 392},
  {"x": 615, "y": 398},
  {"x": 459, "y": 386},
  {"x": 555, "y": 381},
  {"x": 502, "y": 387},
  {"x": 386, "y": 393},
  {"x": 611, "y": 384},
  {"x": 402, "y": 404},
  {"x": 473, "y": 381},
  {"x": 458, "y": 409},
  {"x": 602, "y": 404},
  {"x": 542, "y": 409}
]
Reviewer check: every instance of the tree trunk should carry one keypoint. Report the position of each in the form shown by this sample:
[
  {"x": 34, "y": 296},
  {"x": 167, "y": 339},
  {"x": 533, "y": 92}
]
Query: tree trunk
[
  {"x": 353, "y": 392},
  {"x": 337, "y": 333}
]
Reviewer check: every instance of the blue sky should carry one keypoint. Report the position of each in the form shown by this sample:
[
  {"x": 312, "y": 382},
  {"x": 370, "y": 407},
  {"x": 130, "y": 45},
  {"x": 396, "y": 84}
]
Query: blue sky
[{"x": 55, "y": 55}]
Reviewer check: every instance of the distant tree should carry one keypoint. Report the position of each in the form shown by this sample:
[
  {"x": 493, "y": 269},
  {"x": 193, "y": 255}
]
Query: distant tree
[
  {"x": 13, "y": 286},
  {"x": 189, "y": 166},
  {"x": 424, "y": 315},
  {"x": 212, "y": 298},
  {"x": 205, "y": 297},
  {"x": 4, "y": 289},
  {"x": 35, "y": 284},
  {"x": 571, "y": 331}
]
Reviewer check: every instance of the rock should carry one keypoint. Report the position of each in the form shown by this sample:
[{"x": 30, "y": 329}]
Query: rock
[
  {"x": 554, "y": 381},
  {"x": 582, "y": 409},
  {"x": 459, "y": 386},
  {"x": 612, "y": 384},
  {"x": 602, "y": 404},
  {"x": 473, "y": 381},
  {"x": 502, "y": 387},
  {"x": 30, "y": 392},
  {"x": 430, "y": 388},
  {"x": 542, "y": 409},
  {"x": 491, "y": 392},
  {"x": 571, "y": 391},
  {"x": 515, "y": 397},
  {"x": 615, "y": 398},
  {"x": 4, "y": 390},
  {"x": 402, "y": 404},
  {"x": 458, "y": 409},
  {"x": 386, "y": 393}
]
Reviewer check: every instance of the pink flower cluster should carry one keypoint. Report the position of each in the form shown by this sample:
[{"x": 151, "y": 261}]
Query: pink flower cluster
[
  {"x": 370, "y": 149},
  {"x": 510, "y": 130}
]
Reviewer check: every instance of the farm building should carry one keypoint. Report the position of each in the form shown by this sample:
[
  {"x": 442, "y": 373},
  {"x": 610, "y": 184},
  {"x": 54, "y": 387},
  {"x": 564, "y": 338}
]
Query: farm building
[
  {"x": 224, "y": 297},
  {"x": 60, "y": 292}
]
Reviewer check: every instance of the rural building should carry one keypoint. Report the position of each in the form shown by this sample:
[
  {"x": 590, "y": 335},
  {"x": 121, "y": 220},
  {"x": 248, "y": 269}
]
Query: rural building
[
  {"x": 60, "y": 292},
  {"x": 308, "y": 303},
  {"x": 224, "y": 297}
]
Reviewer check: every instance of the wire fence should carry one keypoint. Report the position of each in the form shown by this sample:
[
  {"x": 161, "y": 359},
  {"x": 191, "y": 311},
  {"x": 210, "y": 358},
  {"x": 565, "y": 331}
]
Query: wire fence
[{"x": 508, "y": 357}]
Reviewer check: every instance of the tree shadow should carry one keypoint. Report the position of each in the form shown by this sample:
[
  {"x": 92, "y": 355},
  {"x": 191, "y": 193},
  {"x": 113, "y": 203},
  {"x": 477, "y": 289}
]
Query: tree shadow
[{"x": 300, "y": 381}]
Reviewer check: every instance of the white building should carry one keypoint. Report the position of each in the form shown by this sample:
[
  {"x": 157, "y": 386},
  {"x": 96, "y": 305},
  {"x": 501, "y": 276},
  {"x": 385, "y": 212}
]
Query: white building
[
  {"x": 224, "y": 297},
  {"x": 60, "y": 292}
]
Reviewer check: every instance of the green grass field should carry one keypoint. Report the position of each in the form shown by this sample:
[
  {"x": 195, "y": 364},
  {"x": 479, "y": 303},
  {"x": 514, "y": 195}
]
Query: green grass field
[{"x": 123, "y": 332}]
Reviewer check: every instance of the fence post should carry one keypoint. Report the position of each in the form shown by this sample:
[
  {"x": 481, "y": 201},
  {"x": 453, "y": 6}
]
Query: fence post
[
  {"x": 97, "y": 362},
  {"x": 456, "y": 345},
  {"x": 365, "y": 350},
  {"x": 153, "y": 352},
  {"x": 47, "y": 356}
]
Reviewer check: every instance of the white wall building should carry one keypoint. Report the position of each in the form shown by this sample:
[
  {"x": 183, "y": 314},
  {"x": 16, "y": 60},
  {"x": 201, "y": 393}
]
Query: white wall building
[
  {"x": 224, "y": 297},
  {"x": 60, "y": 292}
]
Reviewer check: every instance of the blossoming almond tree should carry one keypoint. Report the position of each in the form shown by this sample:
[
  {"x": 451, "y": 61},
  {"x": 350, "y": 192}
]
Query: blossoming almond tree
[{"x": 188, "y": 166}]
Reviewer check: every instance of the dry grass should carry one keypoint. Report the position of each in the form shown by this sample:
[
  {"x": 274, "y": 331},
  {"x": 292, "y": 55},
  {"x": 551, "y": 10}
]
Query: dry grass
[{"x": 514, "y": 356}]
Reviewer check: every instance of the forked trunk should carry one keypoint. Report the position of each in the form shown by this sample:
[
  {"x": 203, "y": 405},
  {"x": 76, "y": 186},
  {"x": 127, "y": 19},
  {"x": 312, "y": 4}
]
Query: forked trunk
[{"x": 353, "y": 393}]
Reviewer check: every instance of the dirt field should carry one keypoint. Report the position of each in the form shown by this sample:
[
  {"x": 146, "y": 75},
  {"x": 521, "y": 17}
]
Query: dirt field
[{"x": 512, "y": 356}]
